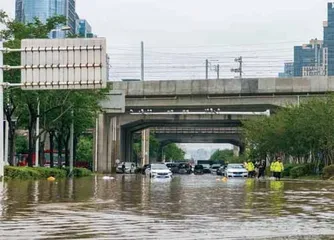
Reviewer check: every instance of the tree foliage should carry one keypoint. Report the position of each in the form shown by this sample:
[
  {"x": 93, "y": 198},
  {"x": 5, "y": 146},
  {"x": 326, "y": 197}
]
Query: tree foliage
[
  {"x": 58, "y": 109},
  {"x": 225, "y": 155},
  {"x": 85, "y": 149},
  {"x": 304, "y": 133},
  {"x": 173, "y": 152}
]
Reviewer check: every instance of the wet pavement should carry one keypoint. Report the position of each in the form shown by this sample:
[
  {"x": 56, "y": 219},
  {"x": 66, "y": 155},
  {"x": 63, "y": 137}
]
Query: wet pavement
[{"x": 186, "y": 207}]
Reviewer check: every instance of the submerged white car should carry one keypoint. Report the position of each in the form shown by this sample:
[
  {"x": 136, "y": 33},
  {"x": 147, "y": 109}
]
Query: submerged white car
[
  {"x": 235, "y": 170},
  {"x": 129, "y": 168},
  {"x": 158, "y": 171}
]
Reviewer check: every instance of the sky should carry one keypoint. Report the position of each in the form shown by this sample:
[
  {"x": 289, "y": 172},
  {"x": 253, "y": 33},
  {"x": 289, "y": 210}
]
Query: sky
[{"x": 180, "y": 34}]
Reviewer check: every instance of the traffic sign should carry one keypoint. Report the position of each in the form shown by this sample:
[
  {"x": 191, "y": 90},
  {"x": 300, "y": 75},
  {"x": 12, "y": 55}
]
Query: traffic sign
[{"x": 73, "y": 63}]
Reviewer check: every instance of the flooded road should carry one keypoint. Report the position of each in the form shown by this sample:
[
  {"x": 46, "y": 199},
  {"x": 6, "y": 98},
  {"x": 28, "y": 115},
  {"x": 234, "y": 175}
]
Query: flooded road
[{"x": 186, "y": 207}]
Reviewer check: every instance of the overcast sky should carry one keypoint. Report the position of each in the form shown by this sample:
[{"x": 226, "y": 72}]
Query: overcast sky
[
  {"x": 180, "y": 34},
  {"x": 201, "y": 22}
]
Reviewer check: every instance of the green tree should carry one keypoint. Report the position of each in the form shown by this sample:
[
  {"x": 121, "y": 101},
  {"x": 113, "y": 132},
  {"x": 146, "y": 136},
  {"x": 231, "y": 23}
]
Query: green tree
[
  {"x": 56, "y": 106},
  {"x": 304, "y": 133},
  {"x": 226, "y": 155},
  {"x": 154, "y": 147},
  {"x": 21, "y": 144},
  {"x": 21, "y": 103},
  {"x": 173, "y": 153},
  {"x": 85, "y": 149}
]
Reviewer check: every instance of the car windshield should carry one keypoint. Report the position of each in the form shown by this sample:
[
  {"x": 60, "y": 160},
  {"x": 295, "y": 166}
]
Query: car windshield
[
  {"x": 198, "y": 167},
  {"x": 235, "y": 166},
  {"x": 158, "y": 167}
]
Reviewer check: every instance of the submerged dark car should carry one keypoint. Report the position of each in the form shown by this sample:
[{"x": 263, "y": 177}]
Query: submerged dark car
[
  {"x": 172, "y": 167},
  {"x": 199, "y": 169},
  {"x": 221, "y": 170},
  {"x": 207, "y": 168},
  {"x": 144, "y": 168},
  {"x": 184, "y": 169}
]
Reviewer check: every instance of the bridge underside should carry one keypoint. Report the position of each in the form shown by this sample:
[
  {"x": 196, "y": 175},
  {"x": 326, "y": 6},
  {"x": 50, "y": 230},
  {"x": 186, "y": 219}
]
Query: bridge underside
[{"x": 116, "y": 134}]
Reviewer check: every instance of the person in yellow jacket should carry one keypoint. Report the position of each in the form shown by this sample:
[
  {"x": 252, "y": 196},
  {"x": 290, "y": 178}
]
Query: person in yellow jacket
[
  {"x": 272, "y": 167},
  {"x": 250, "y": 169},
  {"x": 278, "y": 168}
]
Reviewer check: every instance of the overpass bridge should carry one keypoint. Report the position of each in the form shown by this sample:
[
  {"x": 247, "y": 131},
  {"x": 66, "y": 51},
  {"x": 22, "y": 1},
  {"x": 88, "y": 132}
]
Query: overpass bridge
[{"x": 134, "y": 106}]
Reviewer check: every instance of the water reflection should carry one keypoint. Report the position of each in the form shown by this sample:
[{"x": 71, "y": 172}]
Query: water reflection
[{"x": 136, "y": 207}]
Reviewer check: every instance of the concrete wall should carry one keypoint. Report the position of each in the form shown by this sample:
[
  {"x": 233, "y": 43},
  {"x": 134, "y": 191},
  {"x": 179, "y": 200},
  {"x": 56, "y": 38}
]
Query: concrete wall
[{"x": 226, "y": 86}]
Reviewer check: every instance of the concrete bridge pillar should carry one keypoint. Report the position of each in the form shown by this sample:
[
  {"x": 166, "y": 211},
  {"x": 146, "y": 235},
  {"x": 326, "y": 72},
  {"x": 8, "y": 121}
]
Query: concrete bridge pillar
[
  {"x": 145, "y": 146},
  {"x": 108, "y": 144}
]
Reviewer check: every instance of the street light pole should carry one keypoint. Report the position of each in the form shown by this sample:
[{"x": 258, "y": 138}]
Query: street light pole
[
  {"x": 6, "y": 142},
  {"x": 37, "y": 134},
  {"x": 71, "y": 143}
]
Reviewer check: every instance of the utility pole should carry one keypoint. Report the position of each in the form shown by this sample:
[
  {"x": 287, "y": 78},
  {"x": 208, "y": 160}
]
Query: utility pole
[
  {"x": 142, "y": 61},
  {"x": 206, "y": 69},
  {"x": 218, "y": 71},
  {"x": 238, "y": 70}
]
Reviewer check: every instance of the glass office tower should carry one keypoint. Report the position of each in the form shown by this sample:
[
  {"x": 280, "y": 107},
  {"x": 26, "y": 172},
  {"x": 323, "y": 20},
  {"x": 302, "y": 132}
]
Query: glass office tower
[{"x": 27, "y": 10}]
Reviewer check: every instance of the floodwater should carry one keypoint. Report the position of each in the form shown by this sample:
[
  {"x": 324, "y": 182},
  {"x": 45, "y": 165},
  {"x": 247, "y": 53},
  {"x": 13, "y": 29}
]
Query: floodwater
[{"x": 186, "y": 207}]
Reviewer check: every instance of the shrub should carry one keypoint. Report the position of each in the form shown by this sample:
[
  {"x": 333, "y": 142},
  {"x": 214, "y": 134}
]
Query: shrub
[
  {"x": 38, "y": 173},
  {"x": 328, "y": 172},
  {"x": 287, "y": 169},
  {"x": 47, "y": 172},
  {"x": 79, "y": 172},
  {"x": 21, "y": 173},
  {"x": 298, "y": 171}
]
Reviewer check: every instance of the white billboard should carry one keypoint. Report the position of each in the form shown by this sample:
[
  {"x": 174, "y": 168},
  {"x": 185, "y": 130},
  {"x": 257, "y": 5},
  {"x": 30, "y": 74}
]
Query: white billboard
[{"x": 73, "y": 63}]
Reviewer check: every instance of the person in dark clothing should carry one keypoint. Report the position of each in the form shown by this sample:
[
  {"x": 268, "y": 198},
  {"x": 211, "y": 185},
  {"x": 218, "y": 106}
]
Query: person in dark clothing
[
  {"x": 123, "y": 167},
  {"x": 262, "y": 169}
]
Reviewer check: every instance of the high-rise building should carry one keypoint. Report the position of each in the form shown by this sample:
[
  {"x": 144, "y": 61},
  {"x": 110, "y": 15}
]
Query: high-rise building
[
  {"x": 83, "y": 28},
  {"x": 288, "y": 70},
  {"x": 308, "y": 59},
  {"x": 329, "y": 38},
  {"x": 27, "y": 10}
]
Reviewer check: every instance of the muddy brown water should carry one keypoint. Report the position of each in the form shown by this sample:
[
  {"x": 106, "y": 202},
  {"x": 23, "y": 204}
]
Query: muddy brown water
[{"x": 186, "y": 207}]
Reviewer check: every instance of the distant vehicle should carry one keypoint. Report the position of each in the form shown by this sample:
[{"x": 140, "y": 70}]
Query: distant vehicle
[
  {"x": 173, "y": 167},
  {"x": 235, "y": 170},
  {"x": 184, "y": 168},
  {"x": 129, "y": 168},
  {"x": 199, "y": 170},
  {"x": 158, "y": 171},
  {"x": 215, "y": 167},
  {"x": 206, "y": 168},
  {"x": 220, "y": 171}
]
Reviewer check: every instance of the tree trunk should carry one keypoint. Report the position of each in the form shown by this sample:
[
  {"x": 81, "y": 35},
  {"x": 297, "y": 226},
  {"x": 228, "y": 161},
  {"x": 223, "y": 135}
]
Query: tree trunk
[
  {"x": 30, "y": 147},
  {"x": 75, "y": 150},
  {"x": 31, "y": 139},
  {"x": 42, "y": 154},
  {"x": 11, "y": 145},
  {"x": 60, "y": 149},
  {"x": 67, "y": 155},
  {"x": 51, "y": 136}
]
